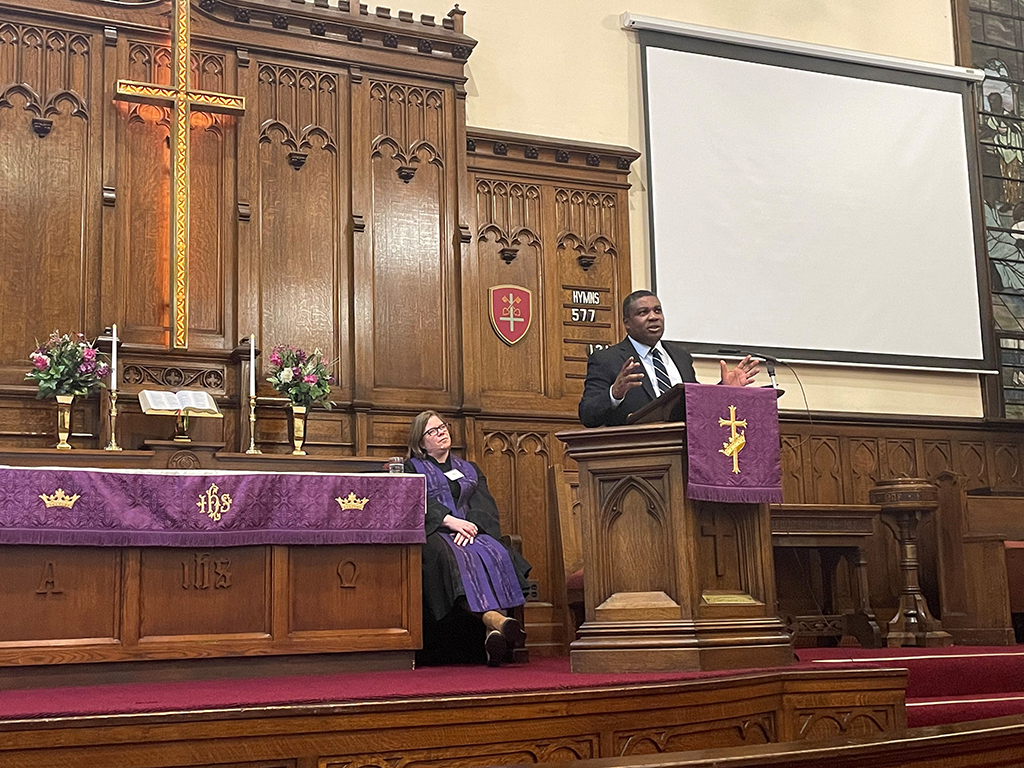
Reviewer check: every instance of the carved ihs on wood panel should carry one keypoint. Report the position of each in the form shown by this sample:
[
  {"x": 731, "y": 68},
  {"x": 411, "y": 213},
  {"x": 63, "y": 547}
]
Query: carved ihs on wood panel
[
  {"x": 299, "y": 108},
  {"x": 47, "y": 71},
  {"x": 586, "y": 223},
  {"x": 408, "y": 125},
  {"x": 508, "y": 214}
]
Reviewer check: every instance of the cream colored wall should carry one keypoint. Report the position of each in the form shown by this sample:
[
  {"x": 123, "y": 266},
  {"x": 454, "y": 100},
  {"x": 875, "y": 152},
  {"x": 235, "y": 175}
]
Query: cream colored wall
[{"x": 565, "y": 68}]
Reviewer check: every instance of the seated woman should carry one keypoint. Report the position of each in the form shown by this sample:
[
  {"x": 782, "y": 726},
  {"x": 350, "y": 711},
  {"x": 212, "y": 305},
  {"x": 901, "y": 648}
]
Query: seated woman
[{"x": 464, "y": 562}]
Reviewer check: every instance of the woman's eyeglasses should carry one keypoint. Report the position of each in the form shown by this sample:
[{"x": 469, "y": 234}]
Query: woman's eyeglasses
[{"x": 435, "y": 431}]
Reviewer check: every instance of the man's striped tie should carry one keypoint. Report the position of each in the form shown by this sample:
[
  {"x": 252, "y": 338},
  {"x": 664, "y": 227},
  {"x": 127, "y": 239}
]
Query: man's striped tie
[{"x": 664, "y": 382}]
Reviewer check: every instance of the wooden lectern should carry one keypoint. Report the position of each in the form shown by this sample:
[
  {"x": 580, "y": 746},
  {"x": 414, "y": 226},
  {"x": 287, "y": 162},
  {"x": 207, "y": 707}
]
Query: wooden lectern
[{"x": 671, "y": 583}]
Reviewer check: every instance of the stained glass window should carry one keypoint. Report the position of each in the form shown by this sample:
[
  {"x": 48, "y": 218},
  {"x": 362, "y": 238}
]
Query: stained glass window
[{"x": 997, "y": 47}]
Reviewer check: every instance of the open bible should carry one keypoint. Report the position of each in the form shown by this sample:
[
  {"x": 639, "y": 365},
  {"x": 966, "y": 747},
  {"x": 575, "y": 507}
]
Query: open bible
[{"x": 192, "y": 402}]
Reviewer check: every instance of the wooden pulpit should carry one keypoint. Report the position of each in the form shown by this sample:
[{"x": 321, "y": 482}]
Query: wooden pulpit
[{"x": 671, "y": 583}]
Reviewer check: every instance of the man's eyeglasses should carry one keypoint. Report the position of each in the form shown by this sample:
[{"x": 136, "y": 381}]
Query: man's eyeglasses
[{"x": 435, "y": 431}]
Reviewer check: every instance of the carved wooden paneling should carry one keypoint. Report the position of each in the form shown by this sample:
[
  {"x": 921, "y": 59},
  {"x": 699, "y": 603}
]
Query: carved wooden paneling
[
  {"x": 509, "y": 252},
  {"x": 516, "y": 466},
  {"x": 938, "y": 457},
  {"x": 826, "y": 469},
  {"x": 49, "y": 136},
  {"x": 1006, "y": 464},
  {"x": 754, "y": 729},
  {"x": 827, "y": 723},
  {"x": 973, "y": 464},
  {"x": 586, "y": 251},
  {"x": 792, "y": 468},
  {"x": 509, "y": 753},
  {"x": 567, "y": 243},
  {"x": 412, "y": 271},
  {"x": 864, "y": 471},
  {"x": 301, "y": 258},
  {"x": 901, "y": 458},
  {"x": 142, "y": 267}
]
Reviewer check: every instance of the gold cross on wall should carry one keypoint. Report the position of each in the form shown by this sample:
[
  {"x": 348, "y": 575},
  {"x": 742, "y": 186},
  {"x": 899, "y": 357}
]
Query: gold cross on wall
[{"x": 182, "y": 100}]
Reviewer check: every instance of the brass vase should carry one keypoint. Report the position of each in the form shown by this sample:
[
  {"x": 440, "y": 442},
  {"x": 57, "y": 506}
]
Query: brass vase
[
  {"x": 64, "y": 421},
  {"x": 297, "y": 423}
]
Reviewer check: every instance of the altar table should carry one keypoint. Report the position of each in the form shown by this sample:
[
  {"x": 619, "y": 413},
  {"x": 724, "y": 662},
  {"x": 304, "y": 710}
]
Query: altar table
[{"x": 329, "y": 572}]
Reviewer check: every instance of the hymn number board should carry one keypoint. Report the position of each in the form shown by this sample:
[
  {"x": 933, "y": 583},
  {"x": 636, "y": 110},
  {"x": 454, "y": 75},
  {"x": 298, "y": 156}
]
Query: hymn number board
[{"x": 587, "y": 325}]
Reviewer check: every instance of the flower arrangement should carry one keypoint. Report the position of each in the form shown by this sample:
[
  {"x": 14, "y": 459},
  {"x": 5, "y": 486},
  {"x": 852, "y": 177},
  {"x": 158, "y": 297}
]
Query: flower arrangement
[
  {"x": 67, "y": 364},
  {"x": 301, "y": 378}
]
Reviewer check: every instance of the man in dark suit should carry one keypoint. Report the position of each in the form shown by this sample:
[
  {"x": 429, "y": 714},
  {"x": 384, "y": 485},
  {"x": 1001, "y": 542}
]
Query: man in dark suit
[{"x": 623, "y": 378}]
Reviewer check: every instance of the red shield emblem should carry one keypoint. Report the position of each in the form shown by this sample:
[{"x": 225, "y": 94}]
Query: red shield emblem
[{"x": 511, "y": 311}]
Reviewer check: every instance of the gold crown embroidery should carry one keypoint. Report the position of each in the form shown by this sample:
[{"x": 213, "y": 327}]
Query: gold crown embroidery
[
  {"x": 351, "y": 502},
  {"x": 59, "y": 499}
]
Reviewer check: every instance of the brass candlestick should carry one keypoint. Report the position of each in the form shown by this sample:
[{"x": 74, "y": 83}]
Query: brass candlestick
[
  {"x": 112, "y": 445},
  {"x": 252, "y": 426}
]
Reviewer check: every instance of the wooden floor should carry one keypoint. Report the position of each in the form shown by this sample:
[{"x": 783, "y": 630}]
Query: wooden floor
[{"x": 728, "y": 710}]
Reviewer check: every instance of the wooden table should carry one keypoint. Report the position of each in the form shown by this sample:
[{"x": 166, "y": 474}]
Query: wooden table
[{"x": 297, "y": 608}]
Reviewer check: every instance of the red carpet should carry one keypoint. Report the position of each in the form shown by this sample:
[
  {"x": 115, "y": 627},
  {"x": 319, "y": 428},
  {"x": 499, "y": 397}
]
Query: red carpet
[
  {"x": 130, "y": 698},
  {"x": 945, "y": 685}
]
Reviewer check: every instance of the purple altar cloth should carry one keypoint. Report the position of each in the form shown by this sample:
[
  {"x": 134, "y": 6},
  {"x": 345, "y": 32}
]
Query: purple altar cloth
[
  {"x": 203, "y": 508},
  {"x": 729, "y": 429}
]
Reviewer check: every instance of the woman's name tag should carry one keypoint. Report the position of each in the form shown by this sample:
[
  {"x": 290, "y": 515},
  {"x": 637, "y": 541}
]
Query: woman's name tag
[{"x": 454, "y": 474}]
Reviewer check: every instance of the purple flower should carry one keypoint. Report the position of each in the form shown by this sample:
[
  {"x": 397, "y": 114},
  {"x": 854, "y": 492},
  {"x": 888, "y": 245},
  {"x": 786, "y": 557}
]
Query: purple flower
[
  {"x": 103, "y": 370},
  {"x": 296, "y": 372},
  {"x": 300, "y": 355},
  {"x": 89, "y": 354},
  {"x": 309, "y": 378},
  {"x": 87, "y": 367}
]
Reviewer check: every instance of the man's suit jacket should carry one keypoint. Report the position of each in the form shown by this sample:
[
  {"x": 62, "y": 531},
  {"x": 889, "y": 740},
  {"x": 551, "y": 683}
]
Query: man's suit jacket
[{"x": 603, "y": 366}]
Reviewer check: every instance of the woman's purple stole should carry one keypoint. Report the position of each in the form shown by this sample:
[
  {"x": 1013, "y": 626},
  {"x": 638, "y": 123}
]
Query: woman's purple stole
[{"x": 486, "y": 569}]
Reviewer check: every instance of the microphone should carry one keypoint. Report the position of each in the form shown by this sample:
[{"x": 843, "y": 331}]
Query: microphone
[{"x": 769, "y": 361}]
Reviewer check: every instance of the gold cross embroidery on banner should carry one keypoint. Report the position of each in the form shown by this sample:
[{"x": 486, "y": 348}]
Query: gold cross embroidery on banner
[
  {"x": 182, "y": 100},
  {"x": 736, "y": 441}
]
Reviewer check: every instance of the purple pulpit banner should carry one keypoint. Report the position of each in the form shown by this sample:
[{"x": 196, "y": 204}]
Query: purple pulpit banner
[
  {"x": 732, "y": 441},
  {"x": 205, "y": 508}
]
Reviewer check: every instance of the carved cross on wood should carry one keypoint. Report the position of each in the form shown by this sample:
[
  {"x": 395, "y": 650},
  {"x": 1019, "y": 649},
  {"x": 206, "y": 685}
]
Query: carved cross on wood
[
  {"x": 182, "y": 100},
  {"x": 718, "y": 534}
]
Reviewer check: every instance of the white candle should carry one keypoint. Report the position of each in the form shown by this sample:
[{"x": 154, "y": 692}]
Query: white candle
[
  {"x": 252, "y": 365},
  {"x": 113, "y": 358}
]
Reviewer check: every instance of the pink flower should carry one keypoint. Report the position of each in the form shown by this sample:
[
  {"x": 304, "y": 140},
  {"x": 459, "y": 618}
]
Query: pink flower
[
  {"x": 275, "y": 359},
  {"x": 40, "y": 361},
  {"x": 309, "y": 378},
  {"x": 88, "y": 354}
]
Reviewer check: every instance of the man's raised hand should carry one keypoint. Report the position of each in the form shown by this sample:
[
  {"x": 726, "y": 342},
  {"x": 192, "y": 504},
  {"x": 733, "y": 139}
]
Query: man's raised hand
[
  {"x": 631, "y": 375},
  {"x": 743, "y": 374}
]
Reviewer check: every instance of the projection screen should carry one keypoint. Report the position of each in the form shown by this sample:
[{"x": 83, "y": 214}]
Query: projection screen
[{"x": 813, "y": 208}]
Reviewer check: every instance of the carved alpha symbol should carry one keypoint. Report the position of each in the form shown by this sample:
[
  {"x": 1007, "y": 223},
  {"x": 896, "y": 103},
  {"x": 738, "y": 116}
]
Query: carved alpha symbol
[{"x": 48, "y": 581}]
